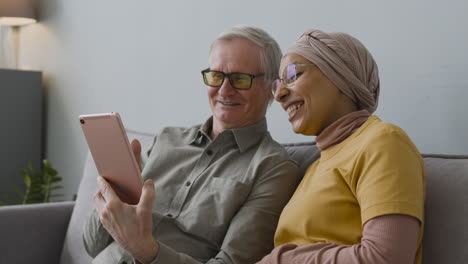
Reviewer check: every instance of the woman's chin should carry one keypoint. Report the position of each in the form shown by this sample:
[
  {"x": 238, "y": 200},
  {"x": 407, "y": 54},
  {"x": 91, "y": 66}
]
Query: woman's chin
[{"x": 298, "y": 128}]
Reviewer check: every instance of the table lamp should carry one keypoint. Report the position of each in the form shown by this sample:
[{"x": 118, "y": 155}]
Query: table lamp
[{"x": 13, "y": 14}]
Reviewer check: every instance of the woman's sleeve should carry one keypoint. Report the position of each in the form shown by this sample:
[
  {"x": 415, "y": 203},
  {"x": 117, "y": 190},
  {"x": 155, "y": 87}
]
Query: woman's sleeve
[{"x": 388, "y": 239}]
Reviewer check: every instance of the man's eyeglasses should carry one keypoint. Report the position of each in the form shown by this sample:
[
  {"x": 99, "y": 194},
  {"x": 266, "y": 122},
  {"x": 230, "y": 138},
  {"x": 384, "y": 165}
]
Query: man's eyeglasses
[
  {"x": 292, "y": 73},
  {"x": 241, "y": 81}
]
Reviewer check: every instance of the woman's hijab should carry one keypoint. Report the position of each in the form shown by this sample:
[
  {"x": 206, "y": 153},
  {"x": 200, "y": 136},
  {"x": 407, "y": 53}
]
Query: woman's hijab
[{"x": 345, "y": 62}]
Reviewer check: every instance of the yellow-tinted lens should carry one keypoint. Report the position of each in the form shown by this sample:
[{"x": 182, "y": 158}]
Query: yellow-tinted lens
[
  {"x": 241, "y": 81},
  {"x": 213, "y": 78}
]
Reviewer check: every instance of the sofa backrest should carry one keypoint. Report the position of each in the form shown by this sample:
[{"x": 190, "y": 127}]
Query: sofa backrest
[
  {"x": 445, "y": 236},
  {"x": 446, "y": 209}
]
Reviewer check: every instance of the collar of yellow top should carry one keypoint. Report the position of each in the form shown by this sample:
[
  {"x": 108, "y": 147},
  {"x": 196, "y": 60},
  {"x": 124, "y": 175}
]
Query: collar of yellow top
[{"x": 326, "y": 154}]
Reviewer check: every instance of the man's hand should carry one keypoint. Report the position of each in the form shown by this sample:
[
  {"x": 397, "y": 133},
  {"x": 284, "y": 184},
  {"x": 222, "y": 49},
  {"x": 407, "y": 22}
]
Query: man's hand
[
  {"x": 136, "y": 148},
  {"x": 129, "y": 225}
]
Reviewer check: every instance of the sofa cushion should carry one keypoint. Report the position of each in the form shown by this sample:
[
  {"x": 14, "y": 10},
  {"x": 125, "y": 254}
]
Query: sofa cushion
[
  {"x": 73, "y": 251},
  {"x": 33, "y": 233},
  {"x": 304, "y": 154},
  {"x": 446, "y": 209}
]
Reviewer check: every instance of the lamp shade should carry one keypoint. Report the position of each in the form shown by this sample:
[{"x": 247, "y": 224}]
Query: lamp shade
[{"x": 17, "y": 12}]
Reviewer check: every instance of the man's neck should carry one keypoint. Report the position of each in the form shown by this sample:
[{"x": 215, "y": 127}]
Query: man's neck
[{"x": 215, "y": 130}]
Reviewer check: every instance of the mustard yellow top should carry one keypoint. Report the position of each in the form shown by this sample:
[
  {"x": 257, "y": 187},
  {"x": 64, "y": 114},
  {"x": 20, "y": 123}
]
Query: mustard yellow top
[{"x": 375, "y": 171}]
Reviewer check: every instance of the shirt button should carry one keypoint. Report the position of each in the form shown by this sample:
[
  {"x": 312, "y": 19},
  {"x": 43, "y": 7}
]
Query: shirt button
[
  {"x": 169, "y": 215},
  {"x": 209, "y": 152},
  {"x": 188, "y": 183}
]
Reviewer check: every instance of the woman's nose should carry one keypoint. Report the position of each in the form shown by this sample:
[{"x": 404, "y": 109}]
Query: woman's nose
[{"x": 281, "y": 93}]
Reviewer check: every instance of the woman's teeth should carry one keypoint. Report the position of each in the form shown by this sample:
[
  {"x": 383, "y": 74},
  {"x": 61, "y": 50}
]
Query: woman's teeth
[{"x": 293, "y": 108}]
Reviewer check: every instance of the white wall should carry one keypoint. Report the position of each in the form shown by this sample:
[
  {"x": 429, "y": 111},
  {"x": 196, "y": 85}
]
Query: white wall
[{"x": 143, "y": 59}]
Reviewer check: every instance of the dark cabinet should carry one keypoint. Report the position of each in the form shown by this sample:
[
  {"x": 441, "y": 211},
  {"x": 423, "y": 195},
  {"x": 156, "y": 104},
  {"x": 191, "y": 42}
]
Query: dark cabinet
[{"x": 21, "y": 97}]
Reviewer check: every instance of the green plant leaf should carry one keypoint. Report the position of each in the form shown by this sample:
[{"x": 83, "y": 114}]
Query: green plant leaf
[
  {"x": 40, "y": 184},
  {"x": 12, "y": 199},
  {"x": 50, "y": 171},
  {"x": 26, "y": 178},
  {"x": 36, "y": 188},
  {"x": 34, "y": 195},
  {"x": 17, "y": 190},
  {"x": 30, "y": 167},
  {"x": 48, "y": 168}
]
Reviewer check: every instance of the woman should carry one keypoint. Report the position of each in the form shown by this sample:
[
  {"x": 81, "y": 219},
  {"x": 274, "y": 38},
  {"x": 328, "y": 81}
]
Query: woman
[{"x": 363, "y": 200}]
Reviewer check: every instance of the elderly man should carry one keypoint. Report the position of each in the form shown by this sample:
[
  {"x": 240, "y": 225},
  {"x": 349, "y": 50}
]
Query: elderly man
[{"x": 213, "y": 192}]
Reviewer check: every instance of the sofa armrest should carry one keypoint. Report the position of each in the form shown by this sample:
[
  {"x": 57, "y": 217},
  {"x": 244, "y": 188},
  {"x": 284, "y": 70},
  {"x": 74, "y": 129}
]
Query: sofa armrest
[{"x": 33, "y": 233}]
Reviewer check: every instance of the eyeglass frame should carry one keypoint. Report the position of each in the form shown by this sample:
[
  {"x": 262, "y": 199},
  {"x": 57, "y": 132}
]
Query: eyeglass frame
[
  {"x": 228, "y": 75},
  {"x": 291, "y": 83}
]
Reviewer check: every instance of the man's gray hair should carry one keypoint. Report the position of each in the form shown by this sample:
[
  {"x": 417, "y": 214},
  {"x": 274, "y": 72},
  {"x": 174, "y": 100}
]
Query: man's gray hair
[{"x": 270, "y": 56}]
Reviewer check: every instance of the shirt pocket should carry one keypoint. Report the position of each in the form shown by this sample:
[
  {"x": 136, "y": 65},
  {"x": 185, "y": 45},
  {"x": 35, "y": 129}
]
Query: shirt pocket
[
  {"x": 213, "y": 207},
  {"x": 218, "y": 183}
]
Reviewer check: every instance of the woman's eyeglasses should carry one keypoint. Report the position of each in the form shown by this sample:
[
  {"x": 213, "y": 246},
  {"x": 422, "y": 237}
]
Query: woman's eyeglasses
[
  {"x": 292, "y": 72},
  {"x": 241, "y": 81}
]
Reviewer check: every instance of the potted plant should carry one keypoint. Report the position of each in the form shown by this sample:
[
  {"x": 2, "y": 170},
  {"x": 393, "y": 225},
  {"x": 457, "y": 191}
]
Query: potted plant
[{"x": 41, "y": 186}]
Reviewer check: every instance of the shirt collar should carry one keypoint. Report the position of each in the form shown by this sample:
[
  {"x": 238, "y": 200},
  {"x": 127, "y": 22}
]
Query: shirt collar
[
  {"x": 250, "y": 135},
  {"x": 202, "y": 132},
  {"x": 245, "y": 137}
]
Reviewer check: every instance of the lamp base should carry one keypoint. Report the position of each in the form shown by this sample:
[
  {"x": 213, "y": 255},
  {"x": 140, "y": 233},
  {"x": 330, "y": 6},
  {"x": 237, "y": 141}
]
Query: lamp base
[{"x": 8, "y": 47}]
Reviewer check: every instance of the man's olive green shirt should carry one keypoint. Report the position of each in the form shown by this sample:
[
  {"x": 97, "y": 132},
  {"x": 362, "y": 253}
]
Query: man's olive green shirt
[{"x": 217, "y": 201}]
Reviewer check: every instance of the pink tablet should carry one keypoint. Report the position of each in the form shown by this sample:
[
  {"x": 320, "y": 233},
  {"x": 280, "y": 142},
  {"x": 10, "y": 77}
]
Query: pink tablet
[{"x": 112, "y": 154}]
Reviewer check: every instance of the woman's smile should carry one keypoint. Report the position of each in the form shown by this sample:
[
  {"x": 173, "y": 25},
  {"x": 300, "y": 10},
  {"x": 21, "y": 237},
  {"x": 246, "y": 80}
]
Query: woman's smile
[{"x": 293, "y": 109}]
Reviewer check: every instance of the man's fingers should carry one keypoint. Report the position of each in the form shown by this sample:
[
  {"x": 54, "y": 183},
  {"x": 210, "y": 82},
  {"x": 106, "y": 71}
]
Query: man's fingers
[
  {"x": 99, "y": 201},
  {"x": 147, "y": 195},
  {"x": 136, "y": 148},
  {"x": 106, "y": 190}
]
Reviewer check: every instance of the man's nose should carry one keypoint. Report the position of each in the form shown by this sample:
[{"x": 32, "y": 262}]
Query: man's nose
[{"x": 226, "y": 89}]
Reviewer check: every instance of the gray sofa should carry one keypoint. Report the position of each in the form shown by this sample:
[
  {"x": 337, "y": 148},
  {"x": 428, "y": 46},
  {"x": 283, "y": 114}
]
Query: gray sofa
[{"x": 52, "y": 233}]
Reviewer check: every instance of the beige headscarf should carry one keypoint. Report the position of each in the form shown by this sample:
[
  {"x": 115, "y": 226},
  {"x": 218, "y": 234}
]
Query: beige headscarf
[{"x": 345, "y": 62}]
